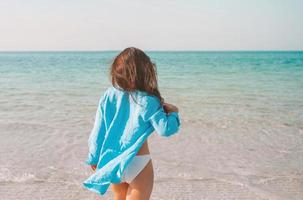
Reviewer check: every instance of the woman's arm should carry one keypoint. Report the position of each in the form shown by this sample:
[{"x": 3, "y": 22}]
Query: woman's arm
[{"x": 165, "y": 124}]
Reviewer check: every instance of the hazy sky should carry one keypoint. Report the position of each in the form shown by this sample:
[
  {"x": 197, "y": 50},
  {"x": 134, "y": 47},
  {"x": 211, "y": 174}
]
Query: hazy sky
[{"x": 151, "y": 24}]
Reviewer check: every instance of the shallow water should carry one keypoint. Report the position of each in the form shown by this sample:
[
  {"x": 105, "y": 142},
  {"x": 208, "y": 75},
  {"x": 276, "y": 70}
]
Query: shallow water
[{"x": 241, "y": 115}]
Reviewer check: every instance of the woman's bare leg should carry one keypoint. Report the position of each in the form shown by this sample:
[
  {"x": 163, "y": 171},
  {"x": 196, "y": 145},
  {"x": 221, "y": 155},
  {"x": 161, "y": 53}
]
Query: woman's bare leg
[
  {"x": 120, "y": 190},
  {"x": 141, "y": 187}
]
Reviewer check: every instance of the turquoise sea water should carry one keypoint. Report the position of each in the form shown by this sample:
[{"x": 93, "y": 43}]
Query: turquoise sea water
[
  {"x": 215, "y": 83},
  {"x": 246, "y": 109}
]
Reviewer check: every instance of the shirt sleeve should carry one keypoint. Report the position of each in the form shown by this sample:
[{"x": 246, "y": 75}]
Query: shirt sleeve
[
  {"x": 163, "y": 123},
  {"x": 96, "y": 136}
]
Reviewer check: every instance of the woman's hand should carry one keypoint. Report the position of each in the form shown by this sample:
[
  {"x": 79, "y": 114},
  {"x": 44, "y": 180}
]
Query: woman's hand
[
  {"x": 170, "y": 108},
  {"x": 93, "y": 167}
]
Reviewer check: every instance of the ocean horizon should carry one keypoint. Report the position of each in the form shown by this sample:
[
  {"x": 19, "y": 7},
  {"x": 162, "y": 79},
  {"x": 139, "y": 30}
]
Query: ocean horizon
[{"x": 147, "y": 51}]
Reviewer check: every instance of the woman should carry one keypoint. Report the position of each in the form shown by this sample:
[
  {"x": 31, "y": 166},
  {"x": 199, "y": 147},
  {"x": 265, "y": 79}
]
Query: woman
[{"x": 128, "y": 112}]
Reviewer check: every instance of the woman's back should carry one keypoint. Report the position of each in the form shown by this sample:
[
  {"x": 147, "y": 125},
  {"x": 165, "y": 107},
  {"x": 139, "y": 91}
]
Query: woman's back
[
  {"x": 127, "y": 114},
  {"x": 124, "y": 120}
]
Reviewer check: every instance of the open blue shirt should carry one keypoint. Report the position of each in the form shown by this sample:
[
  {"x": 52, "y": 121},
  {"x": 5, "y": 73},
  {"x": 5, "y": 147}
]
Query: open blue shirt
[{"x": 123, "y": 122}]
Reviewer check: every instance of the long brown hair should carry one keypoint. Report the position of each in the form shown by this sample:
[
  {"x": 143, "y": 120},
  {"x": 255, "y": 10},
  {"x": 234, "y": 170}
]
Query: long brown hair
[{"x": 133, "y": 70}]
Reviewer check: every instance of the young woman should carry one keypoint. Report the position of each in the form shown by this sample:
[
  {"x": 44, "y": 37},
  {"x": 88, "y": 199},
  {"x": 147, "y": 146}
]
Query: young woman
[{"x": 128, "y": 112}]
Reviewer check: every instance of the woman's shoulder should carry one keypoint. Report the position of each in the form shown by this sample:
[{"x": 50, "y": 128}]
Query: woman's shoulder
[
  {"x": 151, "y": 99},
  {"x": 113, "y": 94},
  {"x": 110, "y": 91},
  {"x": 113, "y": 90},
  {"x": 146, "y": 99},
  {"x": 105, "y": 94},
  {"x": 151, "y": 104}
]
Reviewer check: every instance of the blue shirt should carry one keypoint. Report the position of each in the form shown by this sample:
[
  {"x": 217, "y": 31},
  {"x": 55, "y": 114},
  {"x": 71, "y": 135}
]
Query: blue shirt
[{"x": 123, "y": 122}]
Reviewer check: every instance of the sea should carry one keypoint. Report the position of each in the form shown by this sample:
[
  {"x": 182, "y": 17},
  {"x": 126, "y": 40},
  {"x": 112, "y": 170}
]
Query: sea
[{"x": 241, "y": 134}]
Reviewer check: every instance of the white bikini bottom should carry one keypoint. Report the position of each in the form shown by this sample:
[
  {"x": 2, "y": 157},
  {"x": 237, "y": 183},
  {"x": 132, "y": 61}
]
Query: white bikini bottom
[{"x": 135, "y": 167}]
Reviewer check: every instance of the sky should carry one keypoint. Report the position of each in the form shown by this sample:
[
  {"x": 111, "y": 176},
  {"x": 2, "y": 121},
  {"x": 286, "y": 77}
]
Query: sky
[{"x": 209, "y": 25}]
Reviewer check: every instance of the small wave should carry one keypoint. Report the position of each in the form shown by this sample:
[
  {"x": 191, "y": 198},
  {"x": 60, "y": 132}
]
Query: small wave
[{"x": 7, "y": 176}]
